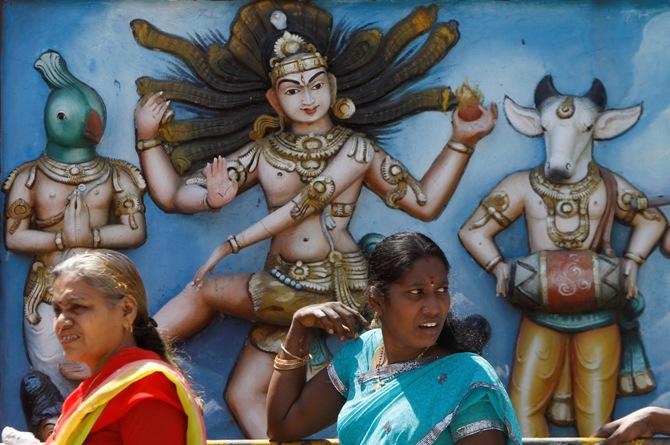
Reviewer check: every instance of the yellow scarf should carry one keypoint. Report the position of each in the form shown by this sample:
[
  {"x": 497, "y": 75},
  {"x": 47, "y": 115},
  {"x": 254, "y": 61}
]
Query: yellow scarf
[{"x": 75, "y": 428}]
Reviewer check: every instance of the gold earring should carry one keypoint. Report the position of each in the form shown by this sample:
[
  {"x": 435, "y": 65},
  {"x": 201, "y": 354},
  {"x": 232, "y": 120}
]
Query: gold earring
[
  {"x": 343, "y": 108},
  {"x": 376, "y": 321}
]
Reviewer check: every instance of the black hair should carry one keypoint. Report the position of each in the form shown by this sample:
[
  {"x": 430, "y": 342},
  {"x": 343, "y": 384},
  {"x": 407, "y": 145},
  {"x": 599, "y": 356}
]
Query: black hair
[{"x": 396, "y": 254}]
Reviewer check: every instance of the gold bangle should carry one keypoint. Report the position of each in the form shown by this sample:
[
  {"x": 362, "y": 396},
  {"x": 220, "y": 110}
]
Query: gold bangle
[
  {"x": 493, "y": 263},
  {"x": 634, "y": 258},
  {"x": 461, "y": 148},
  {"x": 281, "y": 364},
  {"x": 96, "y": 238},
  {"x": 146, "y": 144},
  {"x": 58, "y": 241},
  {"x": 234, "y": 245},
  {"x": 293, "y": 356}
]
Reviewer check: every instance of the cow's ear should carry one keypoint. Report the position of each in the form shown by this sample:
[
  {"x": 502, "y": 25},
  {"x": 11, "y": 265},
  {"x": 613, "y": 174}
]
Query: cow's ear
[
  {"x": 524, "y": 120},
  {"x": 612, "y": 123}
]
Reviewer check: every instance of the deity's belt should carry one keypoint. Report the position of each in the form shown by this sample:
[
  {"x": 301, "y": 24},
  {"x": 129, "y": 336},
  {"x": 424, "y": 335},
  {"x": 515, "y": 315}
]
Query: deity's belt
[
  {"x": 567, "y": 282},
  {"x": 340, "y": 273}
]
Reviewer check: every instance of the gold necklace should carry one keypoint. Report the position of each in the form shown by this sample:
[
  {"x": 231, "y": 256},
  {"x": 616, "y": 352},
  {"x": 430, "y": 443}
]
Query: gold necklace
[
  {"x": 380, "y": 352},
  {"x": 73, "y": 174},
  {"x": 307, "y": 155},
  {"x": 566, "y": 205}
]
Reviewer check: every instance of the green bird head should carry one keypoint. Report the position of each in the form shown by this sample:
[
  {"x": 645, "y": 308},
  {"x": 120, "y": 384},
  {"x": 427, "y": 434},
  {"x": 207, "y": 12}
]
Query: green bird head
[{"x": 74, "y": 115}]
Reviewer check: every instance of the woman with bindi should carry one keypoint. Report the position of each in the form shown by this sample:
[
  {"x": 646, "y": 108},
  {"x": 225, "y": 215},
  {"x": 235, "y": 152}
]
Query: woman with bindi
[
  {"x": 312, "y": 168},
  {"x": 417, "y": 379}
]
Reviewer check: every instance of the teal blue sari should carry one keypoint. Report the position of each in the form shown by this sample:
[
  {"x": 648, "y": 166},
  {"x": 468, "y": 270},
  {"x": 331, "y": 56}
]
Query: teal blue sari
[{"x": 424, "y": 401}]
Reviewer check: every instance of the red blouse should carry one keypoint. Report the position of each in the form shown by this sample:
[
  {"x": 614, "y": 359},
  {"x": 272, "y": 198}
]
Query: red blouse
[{"x": 147, "y": 411}]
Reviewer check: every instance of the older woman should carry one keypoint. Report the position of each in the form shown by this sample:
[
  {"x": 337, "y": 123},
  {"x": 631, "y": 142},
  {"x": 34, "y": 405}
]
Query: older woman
[
  {"x": 135, "y": 394},
  {"x": 415, "y": 380}
]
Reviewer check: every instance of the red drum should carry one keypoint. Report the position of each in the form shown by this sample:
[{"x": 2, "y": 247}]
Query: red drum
[{"x": 567, "y": 281}]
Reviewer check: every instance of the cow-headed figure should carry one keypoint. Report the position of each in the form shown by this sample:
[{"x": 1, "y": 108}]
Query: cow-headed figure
[{"x": 579, "y": 334}]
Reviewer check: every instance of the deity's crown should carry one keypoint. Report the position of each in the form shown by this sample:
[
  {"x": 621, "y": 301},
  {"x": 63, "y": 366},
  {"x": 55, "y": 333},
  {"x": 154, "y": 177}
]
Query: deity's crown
[{"x": 289, "y": 45}]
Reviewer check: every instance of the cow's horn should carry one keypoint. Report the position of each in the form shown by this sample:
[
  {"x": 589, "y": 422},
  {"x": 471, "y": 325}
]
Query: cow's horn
[
  {"x": 544, "y": 90},
  {"x": 597, "y": 94}
]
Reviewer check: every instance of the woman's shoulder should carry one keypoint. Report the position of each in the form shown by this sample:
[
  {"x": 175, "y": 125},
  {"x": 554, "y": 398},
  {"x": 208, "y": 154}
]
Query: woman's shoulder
[{"x": 471, "y": 366}]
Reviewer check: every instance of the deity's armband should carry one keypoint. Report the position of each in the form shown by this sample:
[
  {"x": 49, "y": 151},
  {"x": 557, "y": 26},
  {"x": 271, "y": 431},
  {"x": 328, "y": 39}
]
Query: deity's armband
[
  {"x": 493, "y": 205},
  {"x": 17, "y": 211},
  {"x": 633, "y": 203},
  {"x": 128, "y": 200},
  {"x": 396, "y": 174},
  {"x": 314, "y": 197}
]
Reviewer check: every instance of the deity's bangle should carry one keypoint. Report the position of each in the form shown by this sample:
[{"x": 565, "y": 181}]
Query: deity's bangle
[
  {"x": 634, "y": 258},
  {"x": 58, "y": 240},
  {"x": 293, "y": 356},
  {"x": 208, "y": 206},
  {"x": 493, "y": 263},
  {"x": 146, "y": 144},
  {"x": 461, "y": 148},
  {"x": 281, "y": 364},
  {"x": 96, "y": 238},
  {"x": 234, "y": 245}
]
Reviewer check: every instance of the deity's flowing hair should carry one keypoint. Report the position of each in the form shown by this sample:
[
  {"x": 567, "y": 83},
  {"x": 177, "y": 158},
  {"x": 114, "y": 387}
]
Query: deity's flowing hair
[
  {"x": 396, "y": 254},
  {"x": 224, "y": 81},
  {"x": 115, "y": 276}
]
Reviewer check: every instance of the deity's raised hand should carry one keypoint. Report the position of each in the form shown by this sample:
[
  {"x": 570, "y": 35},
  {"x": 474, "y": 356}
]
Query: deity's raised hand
[
  {"x": 149, "y": 114},
  {"x": 77, "y": 231},
  {"x": 220, "y": 188},
  {"x": 470, "y": 132}
]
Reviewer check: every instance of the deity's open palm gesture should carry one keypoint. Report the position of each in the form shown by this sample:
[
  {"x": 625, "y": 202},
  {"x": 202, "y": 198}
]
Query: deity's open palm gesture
[{"x": 220, "y": 188}]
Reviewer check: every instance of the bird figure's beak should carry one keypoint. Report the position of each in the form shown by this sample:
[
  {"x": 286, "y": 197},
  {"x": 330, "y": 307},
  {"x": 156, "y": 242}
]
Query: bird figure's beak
[{"x": 93, "y": 128}]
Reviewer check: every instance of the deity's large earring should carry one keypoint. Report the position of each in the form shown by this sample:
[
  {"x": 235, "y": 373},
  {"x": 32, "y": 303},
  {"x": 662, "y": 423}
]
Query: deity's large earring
[
  {"x": 282, "y": 122},
  {"x": 343, "y": 108}
]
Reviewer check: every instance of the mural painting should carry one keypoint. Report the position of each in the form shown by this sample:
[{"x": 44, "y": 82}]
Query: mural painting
[
  {"x": 333, "y": 108},
  {"x": 68, "y": 198},
  {"x": 579, "y": 338},
  {"x": 311, "y": 157}
]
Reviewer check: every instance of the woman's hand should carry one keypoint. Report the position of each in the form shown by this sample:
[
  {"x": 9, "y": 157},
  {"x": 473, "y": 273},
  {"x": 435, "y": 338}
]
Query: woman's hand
[
  {"x": 220, "y": 188},
  {"x": 333, "y": 317},
  {"x": 635, "y": 425},
  {"x": 149, "y": 114},
  {"x": 217, "y": 255},
  {"x": 470, "y": 132}
]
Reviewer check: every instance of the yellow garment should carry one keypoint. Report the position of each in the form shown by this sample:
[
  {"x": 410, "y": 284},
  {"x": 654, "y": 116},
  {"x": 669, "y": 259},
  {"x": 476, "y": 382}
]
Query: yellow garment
[
  {"x": 538, "y": 374},
  {"x": 77, "y": 426},
  {"x": 275, "y": 302}
]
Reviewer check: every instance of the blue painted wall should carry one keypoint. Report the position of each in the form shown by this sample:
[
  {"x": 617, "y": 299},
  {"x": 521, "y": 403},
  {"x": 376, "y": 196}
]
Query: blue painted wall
[{"x": 505, "y": 47}]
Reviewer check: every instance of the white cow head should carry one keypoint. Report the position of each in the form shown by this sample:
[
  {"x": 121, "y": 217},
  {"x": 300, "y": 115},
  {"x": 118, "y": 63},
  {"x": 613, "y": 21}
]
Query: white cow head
[{"x": 569, "y": 124}]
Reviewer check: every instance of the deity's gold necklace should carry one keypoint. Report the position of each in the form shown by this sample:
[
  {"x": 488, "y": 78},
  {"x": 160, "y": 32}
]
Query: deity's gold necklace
[
  {"x": 308, "y": 155},
  {"x": 566, "y": 205},
  {"x": 73, "y": 174}
]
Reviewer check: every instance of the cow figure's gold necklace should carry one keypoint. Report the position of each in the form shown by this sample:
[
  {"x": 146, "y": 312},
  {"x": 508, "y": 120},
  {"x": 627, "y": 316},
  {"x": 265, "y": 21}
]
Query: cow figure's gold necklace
[{"x": 566, "y": 205}]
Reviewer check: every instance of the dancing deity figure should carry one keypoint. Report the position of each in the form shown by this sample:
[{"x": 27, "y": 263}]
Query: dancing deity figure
[
  {"x": 67, "y": 198},
  {"x": 579, "y": 335},
  {"x": 282, "y": 57}
]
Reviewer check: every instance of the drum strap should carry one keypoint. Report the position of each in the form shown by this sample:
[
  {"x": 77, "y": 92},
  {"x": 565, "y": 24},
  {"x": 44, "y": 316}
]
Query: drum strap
[{"x": 603, "y": 236}]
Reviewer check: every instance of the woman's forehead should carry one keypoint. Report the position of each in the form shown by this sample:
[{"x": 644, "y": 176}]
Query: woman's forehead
[{"x": 427, "y": 268}]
